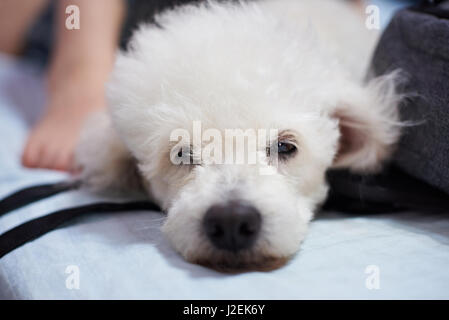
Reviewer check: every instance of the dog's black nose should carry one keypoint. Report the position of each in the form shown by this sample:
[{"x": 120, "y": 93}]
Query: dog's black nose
[{"x": 233, "y": 226}]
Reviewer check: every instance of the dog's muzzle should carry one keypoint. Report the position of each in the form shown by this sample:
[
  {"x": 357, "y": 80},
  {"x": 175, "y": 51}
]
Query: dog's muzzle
[{"x": 233, "y": 226}]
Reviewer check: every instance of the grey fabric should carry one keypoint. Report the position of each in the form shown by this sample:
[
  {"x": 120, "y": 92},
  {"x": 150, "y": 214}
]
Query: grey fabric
[{"x": 418, "y": 44}]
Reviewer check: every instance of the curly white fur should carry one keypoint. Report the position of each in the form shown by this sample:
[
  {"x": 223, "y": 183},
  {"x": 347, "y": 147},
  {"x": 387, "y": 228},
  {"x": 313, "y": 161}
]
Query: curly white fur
[{"x": 297, "y": 66}]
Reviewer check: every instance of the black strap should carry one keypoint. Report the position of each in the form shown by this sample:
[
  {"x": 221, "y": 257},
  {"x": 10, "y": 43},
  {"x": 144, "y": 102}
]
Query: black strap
[
  {"x": 35, "y": 193},
  {"x": 35, "y": 228}
]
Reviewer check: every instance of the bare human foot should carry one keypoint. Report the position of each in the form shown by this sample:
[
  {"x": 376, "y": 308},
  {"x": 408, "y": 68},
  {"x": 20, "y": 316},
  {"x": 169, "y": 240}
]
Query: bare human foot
[
  {"x": 51, "y": 143},
  {"x": 81, "y": 62}
]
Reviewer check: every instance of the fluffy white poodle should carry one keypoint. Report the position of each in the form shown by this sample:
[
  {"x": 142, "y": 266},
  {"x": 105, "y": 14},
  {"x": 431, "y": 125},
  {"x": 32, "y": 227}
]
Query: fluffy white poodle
[{"x": 295, "y": 66}]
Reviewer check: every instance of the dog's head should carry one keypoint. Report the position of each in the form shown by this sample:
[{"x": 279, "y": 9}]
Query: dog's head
[{"x": 179, "y": 94}]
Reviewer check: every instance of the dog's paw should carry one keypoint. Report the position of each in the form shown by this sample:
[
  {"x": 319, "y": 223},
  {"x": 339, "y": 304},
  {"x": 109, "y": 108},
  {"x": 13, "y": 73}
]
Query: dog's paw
[{"x": 102, "y": 159}]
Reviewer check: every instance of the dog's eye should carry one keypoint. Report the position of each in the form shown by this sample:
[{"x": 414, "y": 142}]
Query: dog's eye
[
  {"x": 187, "y": 155},
  {"x": 287, "y": 148},
  {"x": 284, "y": 149}
]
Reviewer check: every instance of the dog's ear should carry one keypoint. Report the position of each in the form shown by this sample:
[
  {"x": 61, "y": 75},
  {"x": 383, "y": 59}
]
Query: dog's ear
[{"x": 368, "y": 123}]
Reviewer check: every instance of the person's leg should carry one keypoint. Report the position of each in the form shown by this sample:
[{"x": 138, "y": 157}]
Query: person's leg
[
  {"x": 15, "y": 19},
  {"x": 81, "y": 63},
  {"x": 359, "y": 4}
]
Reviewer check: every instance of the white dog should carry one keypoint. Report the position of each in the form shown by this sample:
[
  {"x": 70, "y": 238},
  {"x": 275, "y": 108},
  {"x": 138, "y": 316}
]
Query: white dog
[{"x": 296, "y": 66}]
